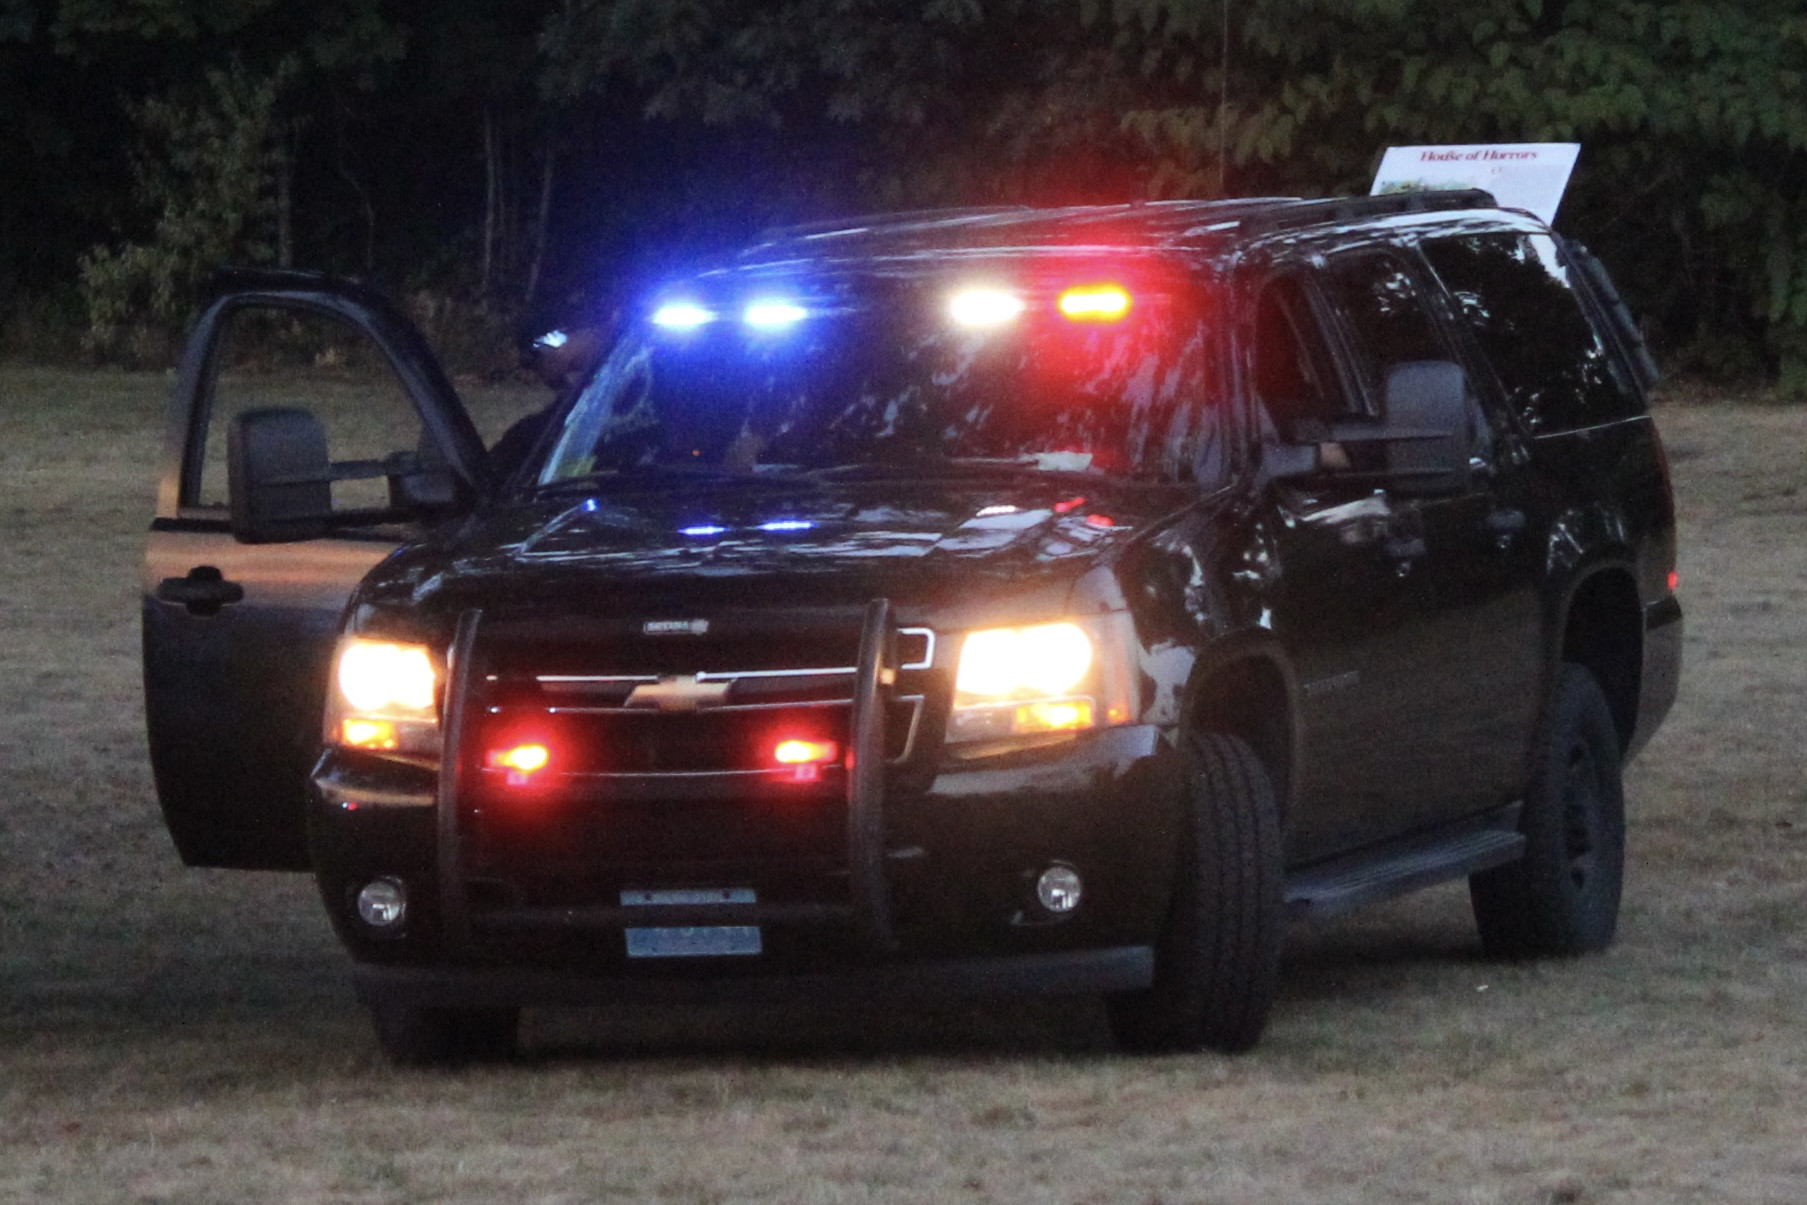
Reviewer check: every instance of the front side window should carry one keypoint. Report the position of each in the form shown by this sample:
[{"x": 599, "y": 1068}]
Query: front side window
[
  {"x": 1518, "y": 296},
  {"x": 1051, "y": 367},
  {"x": 1294, "y": 375},
  {"x": 1386, "y": 314}
]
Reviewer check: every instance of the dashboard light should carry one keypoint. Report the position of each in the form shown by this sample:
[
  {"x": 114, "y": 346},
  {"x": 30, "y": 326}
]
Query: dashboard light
[
  {"x": 984, "y": 307},
  {"x": 682, "y": 316},
  {"x": 774, "y": 315},
  {"x": 1095, "y": 303}
]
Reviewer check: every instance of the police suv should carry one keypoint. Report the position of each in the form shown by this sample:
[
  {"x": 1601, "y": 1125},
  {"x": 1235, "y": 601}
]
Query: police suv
[{"x": 971, "y": 602}]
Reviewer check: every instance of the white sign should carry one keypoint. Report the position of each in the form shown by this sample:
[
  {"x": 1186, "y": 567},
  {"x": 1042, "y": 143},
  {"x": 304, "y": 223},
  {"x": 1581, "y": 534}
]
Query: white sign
[{"x": 1520, "y": 175}]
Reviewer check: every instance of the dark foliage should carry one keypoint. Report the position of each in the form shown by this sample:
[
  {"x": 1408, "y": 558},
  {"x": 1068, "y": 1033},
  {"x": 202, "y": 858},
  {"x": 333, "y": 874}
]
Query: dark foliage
[{"x": 525, "y": 161}]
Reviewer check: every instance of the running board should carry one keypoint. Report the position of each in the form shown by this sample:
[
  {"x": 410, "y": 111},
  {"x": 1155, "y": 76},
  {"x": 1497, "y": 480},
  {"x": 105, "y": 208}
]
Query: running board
[{"x": 1344, "y": 883}]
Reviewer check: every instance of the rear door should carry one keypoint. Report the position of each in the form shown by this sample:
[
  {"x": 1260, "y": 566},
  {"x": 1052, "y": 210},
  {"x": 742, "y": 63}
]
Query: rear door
[{"x": 237, "y": 636}]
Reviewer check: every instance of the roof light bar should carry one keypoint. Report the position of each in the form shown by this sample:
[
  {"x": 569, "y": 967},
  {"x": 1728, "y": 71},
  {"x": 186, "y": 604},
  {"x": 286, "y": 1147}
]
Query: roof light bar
[
  {"x": 682, "y": 316},
  {"x": 984, "y": 306},
  {"x": 1095, "y": 303},
  {"x": 773, "y": 315}
]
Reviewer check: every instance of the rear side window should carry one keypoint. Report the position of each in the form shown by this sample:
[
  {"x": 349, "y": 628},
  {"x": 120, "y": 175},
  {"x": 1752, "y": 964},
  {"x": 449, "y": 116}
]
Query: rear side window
[{"x": 1519, "y": 298}]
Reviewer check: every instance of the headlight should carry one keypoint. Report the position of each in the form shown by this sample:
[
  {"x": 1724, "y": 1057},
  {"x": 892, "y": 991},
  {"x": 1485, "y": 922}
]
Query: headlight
[
  {"x": 384, "y": 697},
  {"x": 1049, "y": 677}
]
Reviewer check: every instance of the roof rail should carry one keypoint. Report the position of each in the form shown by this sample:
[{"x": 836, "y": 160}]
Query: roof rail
[
  {"x": 1349, "y": 209},
  {"x": 902, "y": 217}
]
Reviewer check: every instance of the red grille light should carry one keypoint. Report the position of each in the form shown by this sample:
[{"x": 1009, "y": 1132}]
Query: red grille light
[
  {"x": 805, "y": 759},
  {"x": 520, "y": 762}
]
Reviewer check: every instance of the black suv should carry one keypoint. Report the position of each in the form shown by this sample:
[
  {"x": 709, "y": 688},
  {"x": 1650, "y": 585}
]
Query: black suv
[{"x": 965, "y": 602}]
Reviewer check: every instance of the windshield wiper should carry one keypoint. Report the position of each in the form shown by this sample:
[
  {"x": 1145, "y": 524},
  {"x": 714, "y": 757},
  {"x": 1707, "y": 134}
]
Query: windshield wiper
[
  {"x": 931, "y": 466},
  {"x": 646, "y": 474}
]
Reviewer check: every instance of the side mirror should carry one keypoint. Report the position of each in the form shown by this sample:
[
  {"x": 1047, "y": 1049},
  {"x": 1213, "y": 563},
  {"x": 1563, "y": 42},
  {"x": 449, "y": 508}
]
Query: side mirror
[
  {"x": 1429, "y": 429},
  {"x": 278, "y": 475}
]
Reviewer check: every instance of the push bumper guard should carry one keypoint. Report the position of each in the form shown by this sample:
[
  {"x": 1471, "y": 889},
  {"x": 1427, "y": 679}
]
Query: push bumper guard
[{"x": 867, "y": 909}]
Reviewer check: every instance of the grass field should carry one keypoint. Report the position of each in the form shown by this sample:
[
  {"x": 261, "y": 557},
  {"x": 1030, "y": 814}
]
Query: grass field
[{"x": 190, "y": 1036}]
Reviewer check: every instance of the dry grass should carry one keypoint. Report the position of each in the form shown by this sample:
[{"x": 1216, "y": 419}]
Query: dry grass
[{"x": 178, "y": 1035}]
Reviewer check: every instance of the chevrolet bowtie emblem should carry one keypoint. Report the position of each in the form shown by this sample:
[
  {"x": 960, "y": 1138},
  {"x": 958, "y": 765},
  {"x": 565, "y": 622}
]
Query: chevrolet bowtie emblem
[{"x": 679, "y": 694}]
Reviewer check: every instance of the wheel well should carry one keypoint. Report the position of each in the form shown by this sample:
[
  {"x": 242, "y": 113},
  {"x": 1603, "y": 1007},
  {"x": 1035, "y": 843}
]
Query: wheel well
[
  {"x": 1248, "y": 699},
  {"x": 1604, "y": 633}
]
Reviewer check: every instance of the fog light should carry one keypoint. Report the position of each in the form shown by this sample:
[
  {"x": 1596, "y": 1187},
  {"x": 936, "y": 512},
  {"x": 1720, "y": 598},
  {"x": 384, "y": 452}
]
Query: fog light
[
  {"x": 1059, "y": 889},
  {"x": 383, "y": 903}
]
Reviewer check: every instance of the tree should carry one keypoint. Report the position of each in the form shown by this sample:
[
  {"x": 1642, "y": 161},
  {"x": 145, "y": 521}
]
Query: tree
[
  {"x": 1691, "y": 113},
  {"x": 210, "y": 172}
]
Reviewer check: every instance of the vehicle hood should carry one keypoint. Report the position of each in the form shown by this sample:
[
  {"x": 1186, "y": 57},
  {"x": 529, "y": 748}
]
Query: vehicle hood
[{"x": 920, "y": 544}]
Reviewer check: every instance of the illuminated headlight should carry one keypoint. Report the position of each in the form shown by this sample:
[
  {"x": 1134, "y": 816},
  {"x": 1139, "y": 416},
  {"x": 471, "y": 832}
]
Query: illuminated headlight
[
  {"x": 1044, "y": 678},
  {"x": 384, "y": 697}
]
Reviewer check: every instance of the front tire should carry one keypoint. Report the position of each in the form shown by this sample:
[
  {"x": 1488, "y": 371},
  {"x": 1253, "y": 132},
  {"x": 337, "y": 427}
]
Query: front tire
[
  {"x": 1562, "y": 897},
  {"x": 1217, "y": 962}
]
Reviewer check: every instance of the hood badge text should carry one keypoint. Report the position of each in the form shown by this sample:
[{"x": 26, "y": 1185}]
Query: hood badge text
[{"x": 675, "y": 627}]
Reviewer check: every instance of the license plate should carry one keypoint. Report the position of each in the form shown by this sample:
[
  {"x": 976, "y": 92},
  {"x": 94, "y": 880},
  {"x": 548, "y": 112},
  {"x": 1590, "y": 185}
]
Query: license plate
[{"x": 703, "y": 941}]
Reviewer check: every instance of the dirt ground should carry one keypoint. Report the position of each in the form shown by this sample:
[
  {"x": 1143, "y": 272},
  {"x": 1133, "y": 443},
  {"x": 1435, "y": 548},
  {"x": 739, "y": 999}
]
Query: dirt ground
[{"x": 190, "y": 1036}]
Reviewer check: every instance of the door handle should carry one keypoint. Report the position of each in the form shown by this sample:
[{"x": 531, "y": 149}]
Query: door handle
[
  {"x": 1508, "y": 522},
  {"x": 1403, "y": 550},
  {"x": 204, "y": 591}
]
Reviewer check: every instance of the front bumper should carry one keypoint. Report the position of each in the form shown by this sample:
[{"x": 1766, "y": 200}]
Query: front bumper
[
  {"x": 961, "y": 857},
  {"x": 1082, "y": 972},
  {"x": 888, "y": 866}
]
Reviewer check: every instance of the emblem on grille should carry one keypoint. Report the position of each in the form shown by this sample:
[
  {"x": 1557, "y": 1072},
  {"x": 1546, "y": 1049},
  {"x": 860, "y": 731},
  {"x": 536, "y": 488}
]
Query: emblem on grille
[
  {"x": 675, "y": 627},
  {"x": 684, "y": 693}
]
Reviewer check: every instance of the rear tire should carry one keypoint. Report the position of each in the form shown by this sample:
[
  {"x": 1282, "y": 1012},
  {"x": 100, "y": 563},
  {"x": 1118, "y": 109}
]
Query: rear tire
[
  {"x": 1217, "y": 961},
  {"x": 434, "y": 1037},
  {"x": 1562, "y": 897}
]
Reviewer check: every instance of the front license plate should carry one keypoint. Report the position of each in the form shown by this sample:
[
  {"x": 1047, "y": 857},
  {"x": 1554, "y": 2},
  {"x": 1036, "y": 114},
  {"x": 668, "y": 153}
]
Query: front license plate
[{"x": 712, "y": 941}]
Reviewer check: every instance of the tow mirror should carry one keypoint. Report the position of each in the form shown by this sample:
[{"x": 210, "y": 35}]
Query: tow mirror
[
  {"x": 1430, "y": 426},
  {"x": 278, "y": 475},
  {"x": 281, "y": 479},
  {"x": 1426, "y": 439}
]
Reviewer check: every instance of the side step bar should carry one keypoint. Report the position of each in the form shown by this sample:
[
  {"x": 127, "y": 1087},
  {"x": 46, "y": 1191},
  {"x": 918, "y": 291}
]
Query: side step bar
[{"x": 1342, "y": 884}]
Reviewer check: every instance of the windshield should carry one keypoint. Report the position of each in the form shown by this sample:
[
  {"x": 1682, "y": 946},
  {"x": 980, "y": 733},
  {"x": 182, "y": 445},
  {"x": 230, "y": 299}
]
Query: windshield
[{"x": 1076, "y": 371}]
